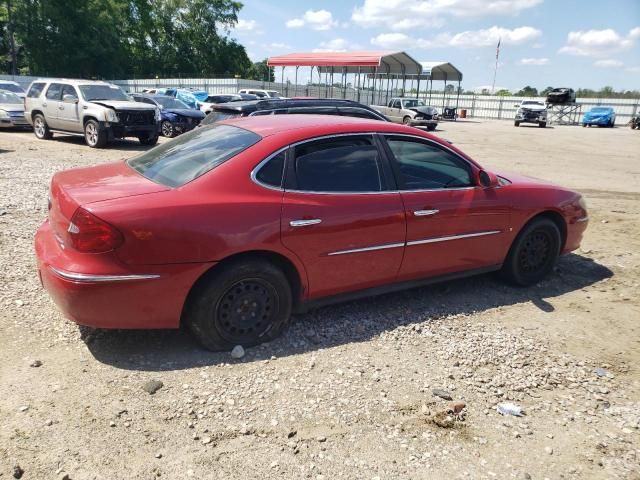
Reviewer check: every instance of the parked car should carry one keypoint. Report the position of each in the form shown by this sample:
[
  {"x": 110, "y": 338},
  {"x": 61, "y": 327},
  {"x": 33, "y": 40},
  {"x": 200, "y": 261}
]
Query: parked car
[
  {"x": 323, "y": 106},
  {"x": 99, "y": 111},
  {"x": 635, "y": 122},
  {"x": 175, "y": 116},
  {"x": 561, "y": 96},
  {"x": 231, "y": 227},
  {"x": 261, "y": 93},
  {"x": 410, "y": 111},
  {"x": 13, "y": 87},
  {"x": 12, "y": 110},
  {"x": 600, "y": 116},
  {"x": 531, "y": 111},
  {"x": 211, "y": 100}
]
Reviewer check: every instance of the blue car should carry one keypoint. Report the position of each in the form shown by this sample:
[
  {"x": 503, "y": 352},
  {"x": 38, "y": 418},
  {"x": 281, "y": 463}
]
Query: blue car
[
  {"x": 601, "y": 116},
  {"x": 176, "y": 117}
]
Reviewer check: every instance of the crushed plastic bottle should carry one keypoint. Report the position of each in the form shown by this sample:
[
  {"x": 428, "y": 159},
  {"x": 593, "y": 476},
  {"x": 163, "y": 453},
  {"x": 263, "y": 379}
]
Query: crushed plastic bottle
[{"x": 510, "y": 409}]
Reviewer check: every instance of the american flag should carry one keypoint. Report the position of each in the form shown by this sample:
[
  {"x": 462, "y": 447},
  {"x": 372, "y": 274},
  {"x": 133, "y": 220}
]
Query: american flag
[{"x": 498, "y": 48}]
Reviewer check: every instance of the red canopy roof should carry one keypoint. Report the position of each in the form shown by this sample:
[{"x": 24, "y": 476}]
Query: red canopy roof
[{"x": 351, "y": 62}]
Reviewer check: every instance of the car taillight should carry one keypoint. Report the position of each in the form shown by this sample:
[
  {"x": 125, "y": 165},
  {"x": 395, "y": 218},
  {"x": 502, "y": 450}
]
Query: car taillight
[{"x": 89, "y": 234}]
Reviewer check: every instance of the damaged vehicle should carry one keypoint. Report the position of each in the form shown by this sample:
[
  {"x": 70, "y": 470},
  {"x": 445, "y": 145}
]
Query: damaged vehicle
[
  {"x": 531, "y": 111},
  {"x": 600, "y": 116},
  {"x": 99, "y": 111},
  {"x": 410, "y": 111},
  {"x": 176, "y": 117},
  {"x": 561, "y": 96}
]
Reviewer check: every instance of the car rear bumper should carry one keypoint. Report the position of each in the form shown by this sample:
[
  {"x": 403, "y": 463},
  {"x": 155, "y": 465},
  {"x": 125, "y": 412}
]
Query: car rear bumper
[
  {"x": 19, "y": 122},
  {"x": 104, "y": 293}
]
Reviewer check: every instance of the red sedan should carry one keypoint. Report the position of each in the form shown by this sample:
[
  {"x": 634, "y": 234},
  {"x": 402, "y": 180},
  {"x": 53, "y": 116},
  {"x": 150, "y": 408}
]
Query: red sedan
[{"x": 233, "y": 226}]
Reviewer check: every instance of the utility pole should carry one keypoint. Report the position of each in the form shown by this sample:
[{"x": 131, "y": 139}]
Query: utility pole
[{"x": 495, "y": 70}]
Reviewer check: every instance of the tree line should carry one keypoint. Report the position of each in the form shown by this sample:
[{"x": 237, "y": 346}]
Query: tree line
[
  {"x": 123, "y": 38},
  {"x": 604, "y": 92}
]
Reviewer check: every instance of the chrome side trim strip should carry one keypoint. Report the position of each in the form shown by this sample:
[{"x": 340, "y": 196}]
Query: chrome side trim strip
[
  {"x": 367, "y": 249},
  {"x": 451, "y": 237},
  {"x": 91, "y": 278},
  {"x": 583, "y": 219}
]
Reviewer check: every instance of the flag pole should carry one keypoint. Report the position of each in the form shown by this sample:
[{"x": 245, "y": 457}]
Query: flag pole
[{"x": 495, "y": 70}]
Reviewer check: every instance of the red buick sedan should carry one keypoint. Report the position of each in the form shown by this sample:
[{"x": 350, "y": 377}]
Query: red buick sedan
[{"x": 233, "y": 226}]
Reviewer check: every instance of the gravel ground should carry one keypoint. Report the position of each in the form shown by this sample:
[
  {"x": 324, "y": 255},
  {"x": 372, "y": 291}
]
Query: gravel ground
[{"x": 348, "y": 392}]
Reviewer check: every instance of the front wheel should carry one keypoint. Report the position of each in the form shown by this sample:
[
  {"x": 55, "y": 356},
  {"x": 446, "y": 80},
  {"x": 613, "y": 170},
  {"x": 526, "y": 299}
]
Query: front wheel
[
  {"x": 406, "y": 120},
  {"x": 534, "y": 253},
  {"x": 542, "y": 124},
  {"x": 168, "y": 129},
  {"x": 149, "y": 140},
  {"x": 40, "y": 127},
  {"x": 94, "y": 136},
  {"x": 431, "y": 128},
  {"x": 517, "y": 124},
  {"x": 244, "y": 303}
]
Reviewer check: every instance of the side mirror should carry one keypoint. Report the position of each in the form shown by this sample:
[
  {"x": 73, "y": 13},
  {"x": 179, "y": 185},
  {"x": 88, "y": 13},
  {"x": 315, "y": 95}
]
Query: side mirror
[
  {"x": 487, "y": 179},
  {"x": 69, "y": 98}
]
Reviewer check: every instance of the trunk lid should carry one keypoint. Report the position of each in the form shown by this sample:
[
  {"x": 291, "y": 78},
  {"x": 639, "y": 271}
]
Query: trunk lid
[{"x": 82, "y": 186}]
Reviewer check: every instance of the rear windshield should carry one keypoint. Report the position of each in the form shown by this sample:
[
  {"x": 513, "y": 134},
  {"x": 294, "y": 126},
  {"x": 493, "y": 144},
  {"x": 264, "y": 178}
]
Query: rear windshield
[
  {"x": 170, "y": 102},
  {"x": 192, "y": 154},
  {"x": 216, "y": 116},
  {"x": 11, "y": 87},
  {"x": 9, "y": 98}
]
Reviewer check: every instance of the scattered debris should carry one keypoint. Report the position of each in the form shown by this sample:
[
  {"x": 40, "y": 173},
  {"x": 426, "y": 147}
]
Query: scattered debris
[
  {"x": 601, "y": 372},
  {"x": 152, "y": 386},
  {"x": 36, "y": 364},
  {"x": 17, "y": 471},
  {"x": 237, "y": 352},
  {"x": 442, "y": 394},
  {"x": 457, "y": 406},
  {"x": 510, "y": 409},
  {"x": 443, "y": 419}
]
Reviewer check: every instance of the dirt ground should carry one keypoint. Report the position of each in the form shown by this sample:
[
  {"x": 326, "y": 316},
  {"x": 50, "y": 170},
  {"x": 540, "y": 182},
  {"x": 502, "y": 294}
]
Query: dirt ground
[{"x": 348, "y": 391}]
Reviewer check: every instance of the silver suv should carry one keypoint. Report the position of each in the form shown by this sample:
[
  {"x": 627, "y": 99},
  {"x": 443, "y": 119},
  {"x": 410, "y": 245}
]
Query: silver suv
[{"x": 99, "y": 111}]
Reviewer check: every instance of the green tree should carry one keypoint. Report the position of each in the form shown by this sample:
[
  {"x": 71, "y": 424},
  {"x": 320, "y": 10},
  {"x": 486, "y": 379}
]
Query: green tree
[
  {"x": 545, "y": 92},
  {"x": 527, "y": 92},
  {"x": 503, "y": 93},
  {"x": 261, "y": 71}
]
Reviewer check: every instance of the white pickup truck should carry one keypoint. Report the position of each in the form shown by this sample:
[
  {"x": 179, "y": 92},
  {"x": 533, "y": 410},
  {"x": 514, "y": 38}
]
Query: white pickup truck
[{"x": 410, "y": 111}]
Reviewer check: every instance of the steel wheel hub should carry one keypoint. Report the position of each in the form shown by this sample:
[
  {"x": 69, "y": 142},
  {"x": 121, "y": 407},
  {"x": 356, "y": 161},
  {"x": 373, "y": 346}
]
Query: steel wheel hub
[{"x": 535, "y": 252}]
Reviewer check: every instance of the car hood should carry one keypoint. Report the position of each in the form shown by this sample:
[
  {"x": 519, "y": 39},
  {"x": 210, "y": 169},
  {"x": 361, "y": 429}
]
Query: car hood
[
  {"x": 523, "y": 180},
  {"x": 597, "y": 114},
  {"x": 185, "y": 112},
  {"x": 11, "y": 107},
  {"x": 535, "y": 108},
  {"x": 427, "y": 110},
  {"x": 124, "y": 105}
]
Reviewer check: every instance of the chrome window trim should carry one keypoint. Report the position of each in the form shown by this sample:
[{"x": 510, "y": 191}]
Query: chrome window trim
[
  {"x": 452, "y": 237},
  {"x": 256, "y": 170},
  {"x": 91, "y": 278},
  {"x": 367, "y": 249},
  {"x": 337, "y": 135}
]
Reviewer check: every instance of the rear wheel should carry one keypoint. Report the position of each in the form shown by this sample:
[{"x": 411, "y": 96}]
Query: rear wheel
[
  {"x": 40, "y": 127},
  {"x": 94, "y": 136},
  {"x": 542, "y": 124},
  {"x": 244, "y": 303},
  {"x": 431, "y": 128},
  {"x": 148, "y": 139},
  {"x": 533, "y": 253},
  {"x": 517, "y": 124}
]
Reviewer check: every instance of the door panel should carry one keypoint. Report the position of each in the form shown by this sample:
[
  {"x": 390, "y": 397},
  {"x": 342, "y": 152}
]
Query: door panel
[
  {"x": 68, "y": 115},
  {"x": 51, "y": 105},
  {"x": 347, "y": 222},
  {"x": 454, "y": 230}
]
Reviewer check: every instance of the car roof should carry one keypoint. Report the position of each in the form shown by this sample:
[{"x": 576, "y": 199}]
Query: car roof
[
  {"x": 276, "y": 103},
  {"x": 72, "y": 81}
]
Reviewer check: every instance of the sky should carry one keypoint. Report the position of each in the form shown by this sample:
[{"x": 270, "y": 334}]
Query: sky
[{"x": 558, "y": 43}]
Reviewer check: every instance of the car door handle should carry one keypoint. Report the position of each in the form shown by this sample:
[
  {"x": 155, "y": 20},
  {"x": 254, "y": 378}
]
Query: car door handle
[
  {"x": 424, "y": 213},
  {"x": 304, "y": 223},
  {"x": 61, "y": 107}
]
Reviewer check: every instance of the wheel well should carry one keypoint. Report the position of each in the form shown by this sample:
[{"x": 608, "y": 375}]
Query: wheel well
[
  {"x": 280, "y": 261},
  {"x": 556, "y": 218},
  {"x": 87, "y": 118},
  {"x": 36, "y": 112}
]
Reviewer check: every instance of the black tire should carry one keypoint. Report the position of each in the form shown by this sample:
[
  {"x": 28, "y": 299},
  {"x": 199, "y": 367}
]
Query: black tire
[
  {"x": 612, "y": 123},
  {"x": 243, "y": 303},
  {"x": 94, "y": 136},
  {"x": 431, "y": 128},
  {"x": 40, "y": 127},
  {"x": 149, "y": 140},
  {"x": 542, "y": 124},
  {"x": 584, "y": 124},
  {"x": 407, "y": 120},
  {"x": 168, "y": 129},
  {"x": 533, "y": 253},
  {"x": 517, "y": 124}
]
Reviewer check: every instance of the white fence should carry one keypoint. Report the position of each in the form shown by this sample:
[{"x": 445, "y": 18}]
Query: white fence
[{"x": 476, "y": 106}]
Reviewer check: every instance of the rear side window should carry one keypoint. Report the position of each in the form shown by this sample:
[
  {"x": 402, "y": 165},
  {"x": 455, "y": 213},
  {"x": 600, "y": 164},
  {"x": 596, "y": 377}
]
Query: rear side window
[
  {"x": 217, "y": 116},
  {"x": 53, "y": 92},
  {"x": 192, "y": 154},
  {"x": 338, "y": 165},
  {"x": 271, "y": 173}
]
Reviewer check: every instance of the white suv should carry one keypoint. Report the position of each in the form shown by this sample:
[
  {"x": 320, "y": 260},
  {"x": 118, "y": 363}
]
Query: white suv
[
  {"x": 263, "y": 94},
  {"x": 99, "y": 111}
]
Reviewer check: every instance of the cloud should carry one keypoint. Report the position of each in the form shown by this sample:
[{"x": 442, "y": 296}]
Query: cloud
[
  {"x": 282, "y": 46},
  {"x": 336, "y": 45},
  {"x": 468, "y": 39},
  {"x": 534, "y": 61},
  {"x": 246, "y": 25},
  {"x": 635, "y": 69},
  {"x": 404, "y": 15},
  {"x": 598, "y": 43},
  {"x": 608, "y": 63},
  {"x": 315, "y": 19}
]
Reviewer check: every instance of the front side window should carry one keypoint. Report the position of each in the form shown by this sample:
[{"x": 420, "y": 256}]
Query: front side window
[
  {"x": 69, "y": 90},
  {"x": 36, "y": 89},
  {"x": 93, "y": 93},
  {"x": 192, "y": 154},
  {"x": 344, "y": 164},
  {"x": 53, "y": 92},
  {"x": 424, "y": 166}
]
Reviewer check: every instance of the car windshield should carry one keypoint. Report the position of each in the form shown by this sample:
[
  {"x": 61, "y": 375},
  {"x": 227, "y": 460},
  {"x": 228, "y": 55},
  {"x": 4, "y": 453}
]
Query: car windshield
[
  {"x": 539, "y": 104},
  {"x": 413, "y": 103},
  {"x": 192, "y": 154},
  {"x": 102, "y": 92},
  {"x": 9, "y": 98},
  {"x": 170, "y": 102},
  {"x": 219, "y": 116},
  {"x": 11, "y": 87},
  {"x": 600, "y": 110}
]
